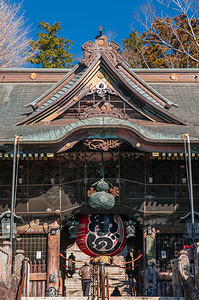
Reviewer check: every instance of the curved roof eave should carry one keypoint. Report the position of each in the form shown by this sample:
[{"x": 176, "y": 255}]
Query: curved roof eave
[{"x": 52, "y": 134}]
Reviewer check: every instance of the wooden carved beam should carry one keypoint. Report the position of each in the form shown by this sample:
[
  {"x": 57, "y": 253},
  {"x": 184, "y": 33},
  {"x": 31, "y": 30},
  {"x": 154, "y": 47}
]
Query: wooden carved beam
[
  {"x": 104, "y": 109},
  {"x": 103, "y": 145}
]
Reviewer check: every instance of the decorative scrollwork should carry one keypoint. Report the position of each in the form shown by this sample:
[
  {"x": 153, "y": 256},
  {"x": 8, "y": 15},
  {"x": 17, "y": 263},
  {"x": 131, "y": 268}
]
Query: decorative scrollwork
[
  {"x": 101, "y": 43},
  {"x": 91, "y": 191},
  {"x": 104, "y": 145},
  {"x": 115, "y": 46},
  {"x": 88, "y": 45},
  {"x": 114, "y": 191},
  {"x": 88, "y": 49},
  {"x": 103, "y": 108},
  {"x": 101, "y": 89}
]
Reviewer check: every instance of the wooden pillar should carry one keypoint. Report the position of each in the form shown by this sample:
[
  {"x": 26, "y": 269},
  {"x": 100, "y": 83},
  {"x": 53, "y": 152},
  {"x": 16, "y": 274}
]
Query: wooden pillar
[
  {"x": 25, "y": 272},
  {"x": 5, "y": 262},
  {"x": 53, "y": 258},
  {"x": 197, "y": 265},
  {"x": 102, "y": 281},
  {"x": 18, "y": 263},
  {"x": 150, "y": 262},
  {"x": 176, "y": 279}
]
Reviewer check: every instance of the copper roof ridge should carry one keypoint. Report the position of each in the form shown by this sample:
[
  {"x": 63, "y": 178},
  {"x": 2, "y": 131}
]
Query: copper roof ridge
[
  {"x": 164, "y": 99},
  {"x": 33, "y": 103},
  {"x": 162, "y": 109},
  {"x": 36, "y": 113}
]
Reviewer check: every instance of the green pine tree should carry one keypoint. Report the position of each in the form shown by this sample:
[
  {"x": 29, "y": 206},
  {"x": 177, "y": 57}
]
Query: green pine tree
[{"x": 50, "y": 51}]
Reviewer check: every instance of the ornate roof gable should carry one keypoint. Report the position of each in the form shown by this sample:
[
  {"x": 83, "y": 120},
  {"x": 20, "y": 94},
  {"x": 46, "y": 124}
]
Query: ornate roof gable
[
  {"x": 101, "y": 44},
  {"x": 115, "y": 90}
]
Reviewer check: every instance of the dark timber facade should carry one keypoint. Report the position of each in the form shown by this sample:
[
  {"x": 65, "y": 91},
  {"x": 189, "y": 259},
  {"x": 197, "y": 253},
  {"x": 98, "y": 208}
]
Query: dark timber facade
[{"x": 69, "y": 120}]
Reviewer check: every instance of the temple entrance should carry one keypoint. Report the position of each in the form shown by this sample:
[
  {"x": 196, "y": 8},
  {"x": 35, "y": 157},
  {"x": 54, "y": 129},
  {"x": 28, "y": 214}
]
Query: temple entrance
[{"x": 123, "y": 276}]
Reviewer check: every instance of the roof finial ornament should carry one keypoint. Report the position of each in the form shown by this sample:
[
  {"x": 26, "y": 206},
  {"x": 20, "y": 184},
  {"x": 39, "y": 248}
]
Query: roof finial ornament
[
  {"x": 110, "y": 49},
  {"x": 100, "y": 30}
]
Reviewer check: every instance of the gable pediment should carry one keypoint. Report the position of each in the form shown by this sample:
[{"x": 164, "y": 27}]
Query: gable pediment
[{"x": 101, "y": 87}]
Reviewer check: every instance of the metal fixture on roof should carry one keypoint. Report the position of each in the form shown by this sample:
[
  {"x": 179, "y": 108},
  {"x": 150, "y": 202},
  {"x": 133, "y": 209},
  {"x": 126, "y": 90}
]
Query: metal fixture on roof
[
  {"x": 174, "y": 77},
  {"x": 100, "y": 30},
  {"x": 33, "y": 76},
  {"x": 101, "y": 89}
]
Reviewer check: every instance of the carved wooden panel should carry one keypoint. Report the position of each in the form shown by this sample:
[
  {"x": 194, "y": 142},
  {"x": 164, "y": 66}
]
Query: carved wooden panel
[{"x": 92, "y": 105}]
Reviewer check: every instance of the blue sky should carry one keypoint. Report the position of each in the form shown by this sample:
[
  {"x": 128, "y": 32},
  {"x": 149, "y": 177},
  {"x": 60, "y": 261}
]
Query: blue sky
[{"x": 80, "y": 19}]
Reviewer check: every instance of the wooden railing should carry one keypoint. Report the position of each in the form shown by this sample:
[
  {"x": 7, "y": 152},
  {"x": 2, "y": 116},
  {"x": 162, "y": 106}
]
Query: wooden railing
[
  {"x": 164, "y": 281},
  {"x": 36, "y": 279}
]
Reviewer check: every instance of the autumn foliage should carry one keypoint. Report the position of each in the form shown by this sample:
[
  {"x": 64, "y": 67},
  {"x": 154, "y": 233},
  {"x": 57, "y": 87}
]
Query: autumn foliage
[{"x": 168, "y": 43}]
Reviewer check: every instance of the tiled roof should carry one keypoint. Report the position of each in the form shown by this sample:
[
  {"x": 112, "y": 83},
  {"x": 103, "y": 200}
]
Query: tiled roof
[
  {"x": 139, "y": 90},
  {"x": 165, "y": 99},
  {"x": 13, "y": 97},
  {"x": 186, "y": 95},
  {"x": 61, "y": 91}
]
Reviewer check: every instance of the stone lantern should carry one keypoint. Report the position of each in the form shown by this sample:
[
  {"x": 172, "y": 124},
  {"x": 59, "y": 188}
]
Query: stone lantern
[{"x": 5, "y": 224}]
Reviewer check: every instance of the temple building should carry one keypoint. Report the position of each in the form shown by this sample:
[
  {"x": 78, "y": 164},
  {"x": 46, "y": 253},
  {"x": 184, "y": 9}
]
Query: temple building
[{"x": 99, "y": 143}]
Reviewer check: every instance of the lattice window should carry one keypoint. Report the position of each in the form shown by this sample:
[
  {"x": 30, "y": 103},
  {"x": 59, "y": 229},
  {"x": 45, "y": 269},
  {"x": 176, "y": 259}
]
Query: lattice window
[
  {"x": 168, "y": 246},
  {"x": 32, "y": 244}
]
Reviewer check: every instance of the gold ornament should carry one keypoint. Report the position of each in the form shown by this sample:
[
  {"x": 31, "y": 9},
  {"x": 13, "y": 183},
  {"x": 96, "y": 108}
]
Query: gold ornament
[{"x": 33, "y": 76}]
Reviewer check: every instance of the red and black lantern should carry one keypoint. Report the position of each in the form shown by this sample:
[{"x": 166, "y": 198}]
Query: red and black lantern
[{"x": 101, "y": 234}]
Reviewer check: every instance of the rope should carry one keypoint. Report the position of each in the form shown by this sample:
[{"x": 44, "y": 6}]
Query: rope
[
  {"x": 125, "y": 267},
  {"x": 70, "y": 259},
  {"x": 128, "y": 262}
]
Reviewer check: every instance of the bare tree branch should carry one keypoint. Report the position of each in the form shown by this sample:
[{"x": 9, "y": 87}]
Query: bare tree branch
[
  {"x": 14, "y": 41},
  {"x": 189, "y": 11},
  {"x": 111, "y": 35}
]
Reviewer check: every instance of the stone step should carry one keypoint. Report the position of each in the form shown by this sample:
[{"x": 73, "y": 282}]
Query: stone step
[{"x": 111, "y": 298}]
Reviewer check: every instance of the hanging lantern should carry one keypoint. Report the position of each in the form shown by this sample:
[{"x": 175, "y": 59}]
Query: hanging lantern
[
  {"x": 101, "y": 234},
  {"x": 71, "y": 265},
  {"x": 188, "y": 226},
  {"x": 72, "y": 223},
  {"x": 5, "y": 224}
]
